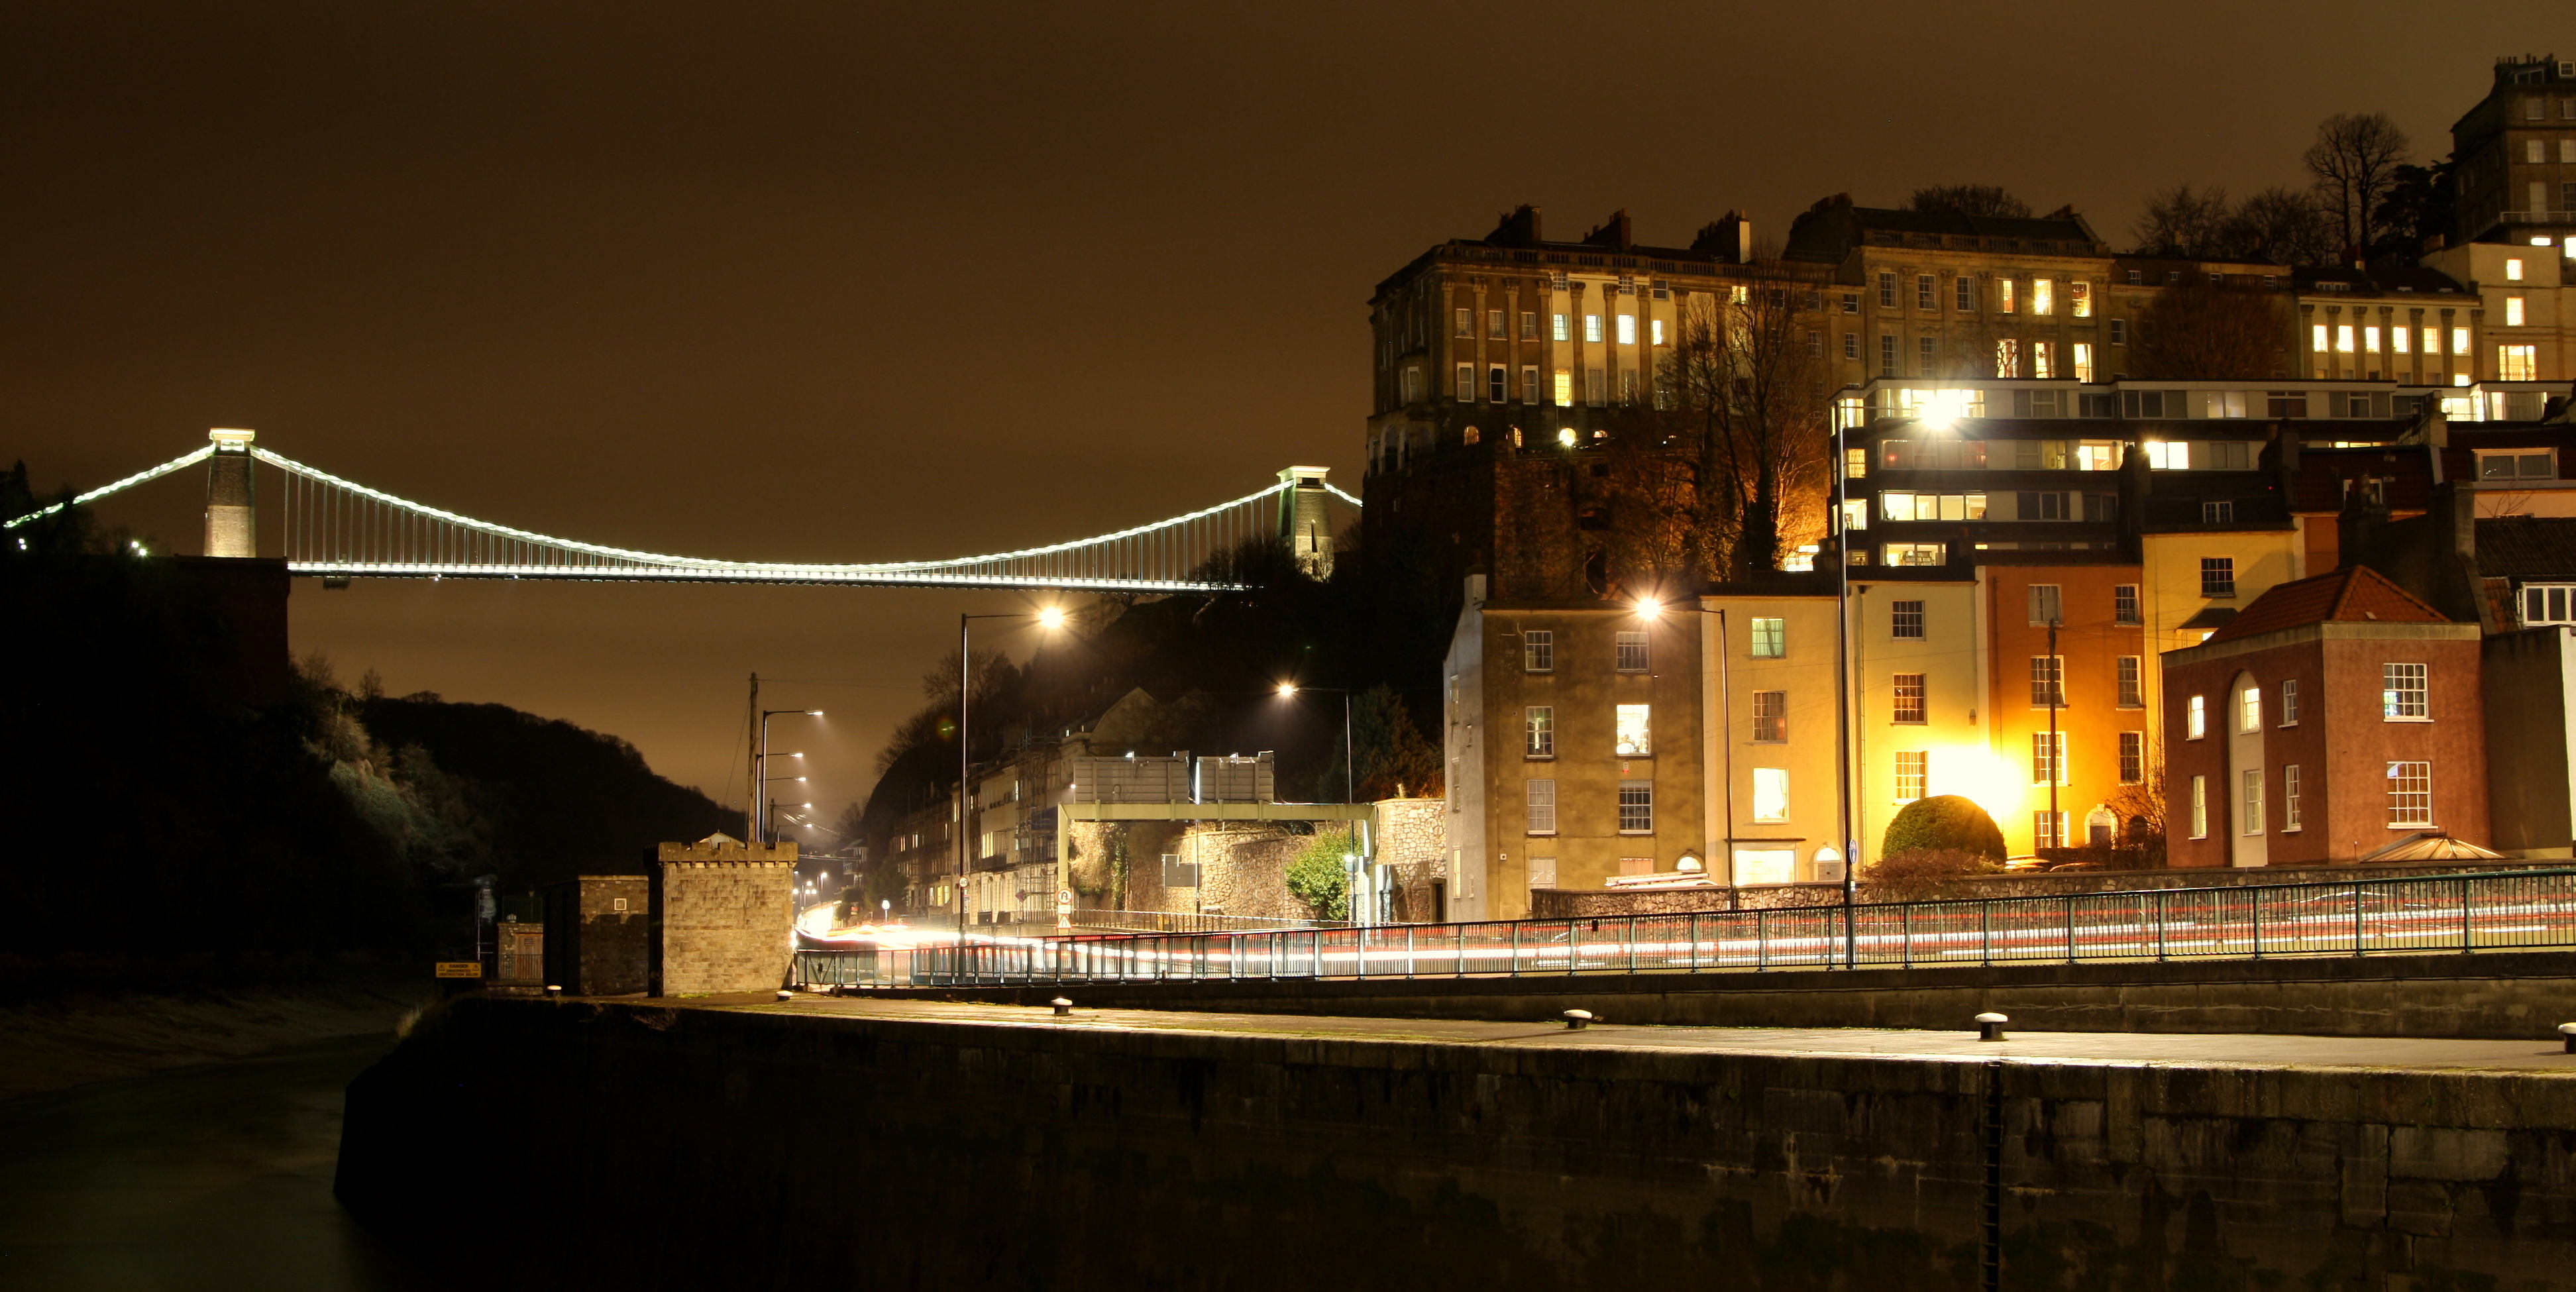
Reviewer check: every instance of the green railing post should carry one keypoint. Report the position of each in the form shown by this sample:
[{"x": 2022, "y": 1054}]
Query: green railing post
[
  {"x": 1632, "y": 944},
  {"x": 1516, "y": 948},
  {"x": 2258, "y": 921}
]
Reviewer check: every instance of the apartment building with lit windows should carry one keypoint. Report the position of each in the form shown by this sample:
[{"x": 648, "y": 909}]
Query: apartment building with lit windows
[{"x": 2515, "y": 155}]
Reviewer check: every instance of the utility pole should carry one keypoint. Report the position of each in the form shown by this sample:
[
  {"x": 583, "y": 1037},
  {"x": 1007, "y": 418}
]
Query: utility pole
[
  {"x": 2056, "y": 754},
  {"x": 751, "y": 774}
]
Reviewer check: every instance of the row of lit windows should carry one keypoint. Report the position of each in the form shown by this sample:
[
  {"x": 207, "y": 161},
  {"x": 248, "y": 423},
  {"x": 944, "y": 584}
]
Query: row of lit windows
[
  {"x": 2410, "y": 798},
  {"x": 2405, "y": 695},
  {"x": 1561, "y": 327},
  {"x": 1963, "y": 294},
  {"x": 2340, "y": 336}
]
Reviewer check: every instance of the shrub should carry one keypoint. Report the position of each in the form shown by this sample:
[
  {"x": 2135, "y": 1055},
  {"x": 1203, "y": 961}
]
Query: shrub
[
  {"x": 1319, "y": 879},
  {"x": 1942, "y": 823}
]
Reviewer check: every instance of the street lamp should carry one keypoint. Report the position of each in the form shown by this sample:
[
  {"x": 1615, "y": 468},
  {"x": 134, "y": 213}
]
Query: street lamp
[
  {"x": 760, "y": 784},
  {"x": 1049, "y": 618},
  {"x": 1651, "y": 608},
  {"x": 1289, "y": 690}
]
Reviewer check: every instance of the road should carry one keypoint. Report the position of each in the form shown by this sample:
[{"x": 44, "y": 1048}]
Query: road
[{"x": 203, "y": 1179}]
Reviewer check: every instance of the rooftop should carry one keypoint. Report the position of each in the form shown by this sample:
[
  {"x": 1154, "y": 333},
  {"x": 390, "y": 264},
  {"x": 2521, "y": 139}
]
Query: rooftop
[
  {"x": 2353, "y": 594},
  {"x": 2527, "y": 547}
]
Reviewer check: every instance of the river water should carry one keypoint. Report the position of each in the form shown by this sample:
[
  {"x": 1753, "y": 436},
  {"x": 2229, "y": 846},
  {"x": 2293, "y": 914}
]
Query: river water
[{"x": 202, "y": 1179}]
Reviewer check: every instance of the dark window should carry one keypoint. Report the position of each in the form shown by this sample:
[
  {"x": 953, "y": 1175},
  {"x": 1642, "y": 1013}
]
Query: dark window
[{"x": 1905, "y": 620}]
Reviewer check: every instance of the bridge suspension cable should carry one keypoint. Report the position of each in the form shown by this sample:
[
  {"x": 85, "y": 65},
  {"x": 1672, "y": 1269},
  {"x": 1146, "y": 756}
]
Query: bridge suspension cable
[{"x": 339, "y": 529}]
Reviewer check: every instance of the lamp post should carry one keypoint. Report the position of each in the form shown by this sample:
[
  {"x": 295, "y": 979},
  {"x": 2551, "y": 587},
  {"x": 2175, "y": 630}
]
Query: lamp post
[
  {"x": 1649, "y": 609},
  {"x": 1050, "y": 618},
  {"x": 760, "y": 786},
  {"x": 1351, "y": 880}
]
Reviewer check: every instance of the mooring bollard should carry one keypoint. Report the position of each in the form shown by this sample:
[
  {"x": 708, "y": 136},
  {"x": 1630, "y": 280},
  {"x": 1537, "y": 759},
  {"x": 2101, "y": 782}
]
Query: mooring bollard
[
  {"x": 1577, "y": 1019},
  {"x": 2567, "y": 1033},
  {"x": 784, "y": 994},
  {"x": 1063, "y": 1007},
  {"x": 554, "y": 992},
  {"x": 1990, "y": 1027}
]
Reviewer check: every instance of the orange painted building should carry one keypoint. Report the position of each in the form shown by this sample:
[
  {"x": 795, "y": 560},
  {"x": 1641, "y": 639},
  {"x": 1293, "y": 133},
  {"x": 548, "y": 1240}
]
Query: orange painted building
[{"x": 2097, "y": 674}]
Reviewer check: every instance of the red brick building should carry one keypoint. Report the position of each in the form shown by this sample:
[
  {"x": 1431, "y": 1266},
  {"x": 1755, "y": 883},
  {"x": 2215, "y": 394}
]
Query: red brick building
[{"x": 2337, "y": 714}]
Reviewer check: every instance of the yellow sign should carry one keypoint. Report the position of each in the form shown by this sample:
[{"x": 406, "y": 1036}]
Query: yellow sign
[{"x": 460, "y": 968}]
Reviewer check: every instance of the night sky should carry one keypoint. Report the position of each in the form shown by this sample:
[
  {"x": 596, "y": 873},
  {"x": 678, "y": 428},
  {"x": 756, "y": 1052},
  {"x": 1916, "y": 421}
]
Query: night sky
[{"x": 846, "y": 282}]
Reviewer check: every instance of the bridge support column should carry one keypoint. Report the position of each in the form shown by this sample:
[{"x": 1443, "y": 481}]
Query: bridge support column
[
  {"x": 232, "y": 511},
  {"x": 1303, "y": 523}
]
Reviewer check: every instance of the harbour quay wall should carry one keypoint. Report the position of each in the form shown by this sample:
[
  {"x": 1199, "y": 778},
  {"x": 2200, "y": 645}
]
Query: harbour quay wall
[
  {"x": 550, "y": 1144},
  {"x": 2502, "y": 995}
]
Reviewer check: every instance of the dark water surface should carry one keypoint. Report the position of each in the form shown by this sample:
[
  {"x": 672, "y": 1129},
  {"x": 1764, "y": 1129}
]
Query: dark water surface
[{"x": 202, "y": 1179}]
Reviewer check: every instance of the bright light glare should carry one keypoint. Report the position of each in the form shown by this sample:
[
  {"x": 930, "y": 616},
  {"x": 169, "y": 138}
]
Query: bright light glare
[
  {"x": 1051, "y": 617},
  {"x": 1648, "y": 607},
  {"x": 1287, "y": 688},
  {"x": 813, "y": 713},
  {"x": 1943, "y": 409}
]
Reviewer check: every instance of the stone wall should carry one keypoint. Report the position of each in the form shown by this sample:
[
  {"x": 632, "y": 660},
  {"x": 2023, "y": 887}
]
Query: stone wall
[
  {"x": 1211, "y": 1157},
  {"x": 724, "y": 917},
  {"x": 599, "y": 934},
  {"x": 1412, "y": 841}
]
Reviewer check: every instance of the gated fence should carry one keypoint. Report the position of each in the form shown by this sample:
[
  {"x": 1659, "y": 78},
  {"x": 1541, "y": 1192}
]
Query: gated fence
[{"x": 2433, "y": 913}]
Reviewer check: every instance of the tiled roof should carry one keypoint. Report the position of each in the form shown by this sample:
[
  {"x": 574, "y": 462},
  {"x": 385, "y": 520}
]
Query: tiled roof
[
  {"x": 2351, "y": 594},
  {"x": 2527, "y": 547}
]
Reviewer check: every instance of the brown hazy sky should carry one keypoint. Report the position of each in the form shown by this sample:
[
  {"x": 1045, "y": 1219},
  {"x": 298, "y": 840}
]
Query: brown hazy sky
[{"x": 850, "y": 281}]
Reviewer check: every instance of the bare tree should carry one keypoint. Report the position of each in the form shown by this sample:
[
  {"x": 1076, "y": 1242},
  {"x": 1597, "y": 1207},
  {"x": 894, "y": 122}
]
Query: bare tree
[
  {"x": 1744, "y": 388},
  {"x": 2180, "y": 222},
  {"x": 2200, "y": 328},
  {"x": 2283, "y": 226},
  {"x": 2141, "y": 807},
  {"x": 2355, "y": 160},
  {"x": 1969, "y": 199}
]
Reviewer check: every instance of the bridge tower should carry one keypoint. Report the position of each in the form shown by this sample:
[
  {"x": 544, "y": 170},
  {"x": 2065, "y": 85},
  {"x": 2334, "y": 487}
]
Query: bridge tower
[
  {"x": 1303, "y": 523},
  {"x": 232, "y": 512}
]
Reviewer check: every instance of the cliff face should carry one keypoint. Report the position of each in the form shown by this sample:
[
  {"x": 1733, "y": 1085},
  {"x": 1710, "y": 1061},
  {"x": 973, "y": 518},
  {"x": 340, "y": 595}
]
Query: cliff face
[{"x": 549, "y": 1144}]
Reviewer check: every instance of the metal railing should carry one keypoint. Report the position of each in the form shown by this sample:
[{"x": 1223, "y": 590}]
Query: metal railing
[
  {"x": 1190, "y": 922},
  {"x": 2434, "y": 913}
]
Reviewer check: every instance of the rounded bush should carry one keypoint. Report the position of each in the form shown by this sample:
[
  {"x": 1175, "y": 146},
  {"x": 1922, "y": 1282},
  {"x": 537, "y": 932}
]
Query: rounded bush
[{"x": 1946, "y": 821}]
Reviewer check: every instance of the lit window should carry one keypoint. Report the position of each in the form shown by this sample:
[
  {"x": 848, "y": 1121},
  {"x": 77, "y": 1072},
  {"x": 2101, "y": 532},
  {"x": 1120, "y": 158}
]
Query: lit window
[
  {"x": 2132, "y": 687},
  {"x": 1770, "y": 794},
  {"x": 1564, "y": 387},
  {"x": 2199, "y": 807},
  {"x": 2249, "y": 709},
  {"x": 2410, "y": 794},
  {"x": 1538, "y": 731},
  {"x": 2133, "y": 757},
  {"x": 2218, "y": 576},
  {"x": 1771, "y": 716},
  {"x": 1592, "y": 328},
  {"x": 2043, "y": 296},
  {"x": 2289, "y": 798},
  {"x": 1907, "y": 701},
  {"x": 1636, "y": 807},
  {"x": 2079, "y": 298},
  {"x": 1855, "y": 463},
  {"x": 1632, "y": 652},
  {"x": 1627, "y": 329},
  {"x": 2370, "y": 339},
  {"x": 2432, "y": 340},
  {"x": 2195, "y": 718},
  {"x": 2513, "y": 311},
  {"x": 1770, "y": 638},
  {"x": 2459, "y": 340},
  {"x": 1658, "y": 326},
  {"x": 2343, "y": 338},
  {"x": 2404, "y": 692},
  {"x": 1636, "y": 733},
  {"x": 2048, "y": 758},
  {"x": 1542, "y": 806},
  {"x": 1538, "y": 651},
  {"x": 2517, "y": 363},
  {"x": 2043, "y": 360},
  {"x": 2513, "y": 264},
  {"x": 1559, "y": 329},
  {"x": 2008, "y": 357},
  {"x": 1916, "y": 554},
  {"x": 1911, "y": 772},
  {"x": 2400, "y": 338},
  {"x": 2047, "y": 681},
  {"x": 2317, "y": 338},
  {"x": 2250, "y": 819},
  {"x": 2083, "y": 356},
  {"x": 1905, "y": 620},
  {"x": 2004, "y": 295}
]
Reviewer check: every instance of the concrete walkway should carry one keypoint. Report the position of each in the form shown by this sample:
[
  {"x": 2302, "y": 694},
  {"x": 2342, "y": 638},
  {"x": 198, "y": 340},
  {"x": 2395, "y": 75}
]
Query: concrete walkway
[{"x": 2543, "y": 1053}]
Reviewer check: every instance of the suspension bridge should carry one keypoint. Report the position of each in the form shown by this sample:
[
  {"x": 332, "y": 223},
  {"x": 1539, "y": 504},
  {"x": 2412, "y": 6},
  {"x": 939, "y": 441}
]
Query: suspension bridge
[{"x": 338, "y": 530}]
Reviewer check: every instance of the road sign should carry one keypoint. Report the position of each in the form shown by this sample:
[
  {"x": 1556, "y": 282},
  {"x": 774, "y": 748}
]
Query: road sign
[
  {"x": 1064, "y": 897},
  {"x": 460, "y": 968}
]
